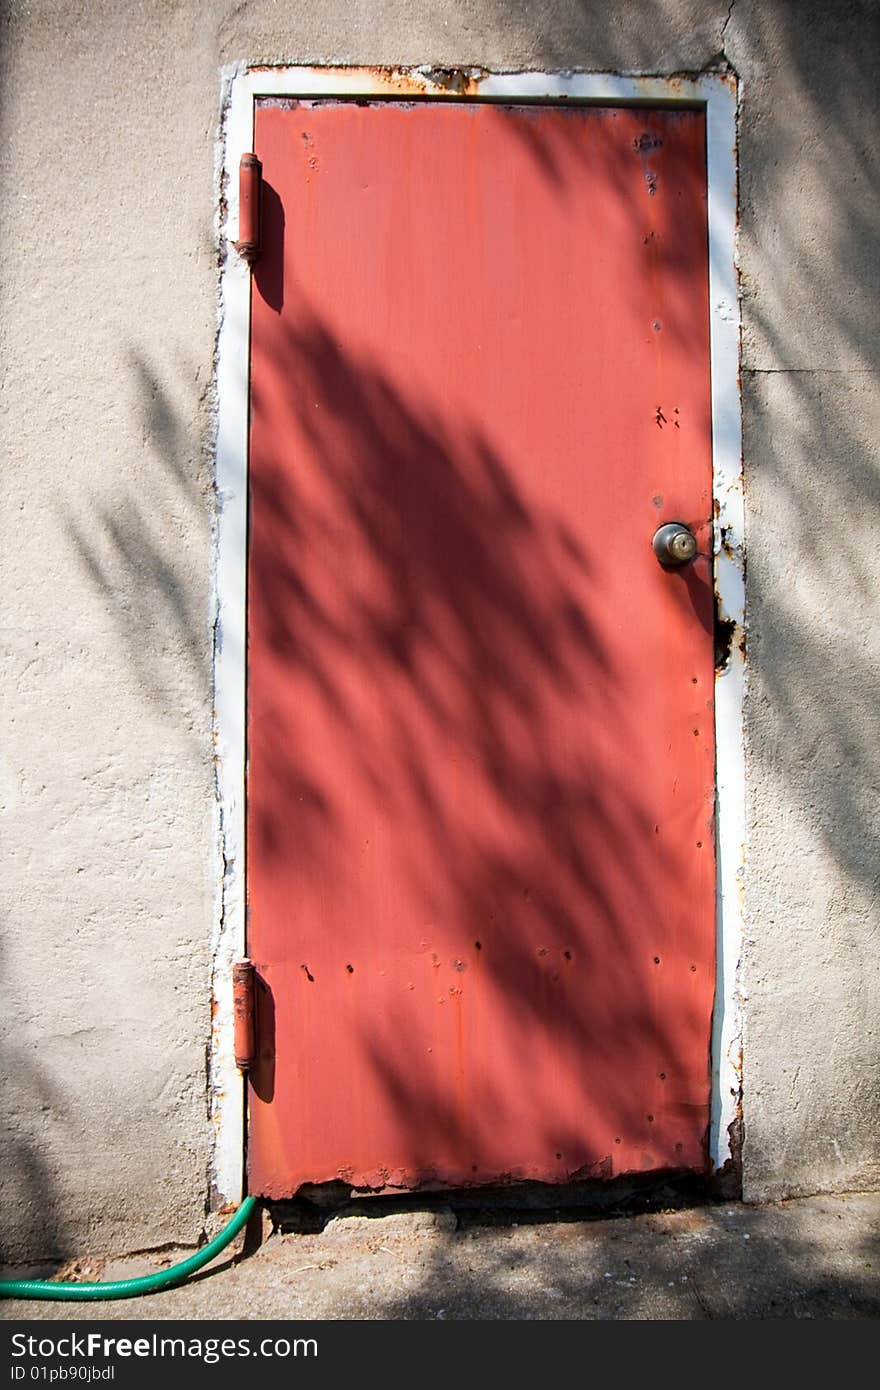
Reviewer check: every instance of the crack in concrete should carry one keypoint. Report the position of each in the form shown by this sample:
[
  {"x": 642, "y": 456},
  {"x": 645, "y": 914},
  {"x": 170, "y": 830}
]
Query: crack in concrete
[
  {"x": 704, "y": 1306},
  {"x": 809, "y": 371}
]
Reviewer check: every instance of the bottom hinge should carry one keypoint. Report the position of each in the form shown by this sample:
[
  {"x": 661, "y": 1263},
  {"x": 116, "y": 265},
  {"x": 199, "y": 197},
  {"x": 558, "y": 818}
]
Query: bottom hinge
[{"x": 244, "y": 1028}]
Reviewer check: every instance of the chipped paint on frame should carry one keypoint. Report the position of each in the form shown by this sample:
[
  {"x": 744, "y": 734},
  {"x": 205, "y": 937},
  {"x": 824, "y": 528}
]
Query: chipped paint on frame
[
  {"x": 241, "y": 87},
  {"x": 729, "y": 545}
]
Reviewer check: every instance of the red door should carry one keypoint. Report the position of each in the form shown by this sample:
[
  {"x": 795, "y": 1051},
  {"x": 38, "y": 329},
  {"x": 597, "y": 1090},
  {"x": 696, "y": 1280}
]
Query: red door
[{"x": 480, "y": 780}]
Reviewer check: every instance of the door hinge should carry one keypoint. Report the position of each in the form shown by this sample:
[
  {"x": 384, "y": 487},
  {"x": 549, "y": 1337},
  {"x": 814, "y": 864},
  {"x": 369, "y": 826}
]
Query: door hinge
[
  {"x": 250, "y": 198},
  {"x": 244, "y": 1014}
]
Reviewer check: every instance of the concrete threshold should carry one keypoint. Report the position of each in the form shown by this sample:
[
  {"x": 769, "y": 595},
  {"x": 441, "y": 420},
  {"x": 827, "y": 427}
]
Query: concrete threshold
[{"x": 813, "y": 1257}]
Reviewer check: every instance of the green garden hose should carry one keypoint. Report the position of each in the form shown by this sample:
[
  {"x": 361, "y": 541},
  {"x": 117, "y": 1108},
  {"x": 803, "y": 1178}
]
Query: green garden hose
[{"x": 130, "y": 1288}]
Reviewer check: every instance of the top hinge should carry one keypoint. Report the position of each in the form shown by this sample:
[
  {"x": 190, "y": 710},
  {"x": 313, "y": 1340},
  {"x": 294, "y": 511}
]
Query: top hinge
[{"x": 250, "y": 197}]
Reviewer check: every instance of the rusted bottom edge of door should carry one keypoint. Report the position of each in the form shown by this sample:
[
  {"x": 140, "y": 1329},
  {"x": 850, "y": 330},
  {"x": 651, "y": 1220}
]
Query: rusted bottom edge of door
[{"x": 396, "y": 1184}]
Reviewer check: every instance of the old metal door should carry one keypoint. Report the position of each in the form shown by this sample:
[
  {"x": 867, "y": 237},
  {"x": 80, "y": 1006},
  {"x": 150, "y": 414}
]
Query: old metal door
[{"x": 480, "y": 722}]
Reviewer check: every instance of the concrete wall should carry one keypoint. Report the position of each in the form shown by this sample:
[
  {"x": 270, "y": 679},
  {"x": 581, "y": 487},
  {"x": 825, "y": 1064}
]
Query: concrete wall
[{"x": 108, "y": 118}]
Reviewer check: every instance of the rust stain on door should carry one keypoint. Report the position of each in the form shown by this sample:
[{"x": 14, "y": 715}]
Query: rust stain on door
[{"x": 480, "y": 780}]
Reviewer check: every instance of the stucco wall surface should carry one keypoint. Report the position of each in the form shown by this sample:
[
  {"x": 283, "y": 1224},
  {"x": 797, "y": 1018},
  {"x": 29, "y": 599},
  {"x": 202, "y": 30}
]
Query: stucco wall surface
[{"x": 108, "y": 290}]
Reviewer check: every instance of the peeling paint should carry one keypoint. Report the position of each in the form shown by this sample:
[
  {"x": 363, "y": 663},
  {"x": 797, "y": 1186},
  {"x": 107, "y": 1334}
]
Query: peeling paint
[
  {"x": 729, "y": 586},
  {"x": 225, "y": 1099}
]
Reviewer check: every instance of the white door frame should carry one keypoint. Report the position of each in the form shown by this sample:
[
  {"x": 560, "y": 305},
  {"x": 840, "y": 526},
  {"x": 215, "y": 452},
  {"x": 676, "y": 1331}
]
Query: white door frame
[{"x": 242, "y": 87}]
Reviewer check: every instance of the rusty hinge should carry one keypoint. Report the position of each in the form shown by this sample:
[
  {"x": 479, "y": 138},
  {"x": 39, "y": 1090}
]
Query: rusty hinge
[
  {"x": 250, "y": 191},
  {"x": 243, "y": 1010}
]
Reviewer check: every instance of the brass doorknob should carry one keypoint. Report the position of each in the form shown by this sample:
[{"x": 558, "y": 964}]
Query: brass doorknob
[{"x": 674, "y": 545}]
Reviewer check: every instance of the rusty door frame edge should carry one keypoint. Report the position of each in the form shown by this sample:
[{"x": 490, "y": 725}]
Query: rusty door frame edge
[{"x": 241, "y": 86}]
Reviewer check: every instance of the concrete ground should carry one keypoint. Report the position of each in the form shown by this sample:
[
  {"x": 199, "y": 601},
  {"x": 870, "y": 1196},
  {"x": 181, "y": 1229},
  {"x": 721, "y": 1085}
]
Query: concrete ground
[{"x": 816, "y": 1257}]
